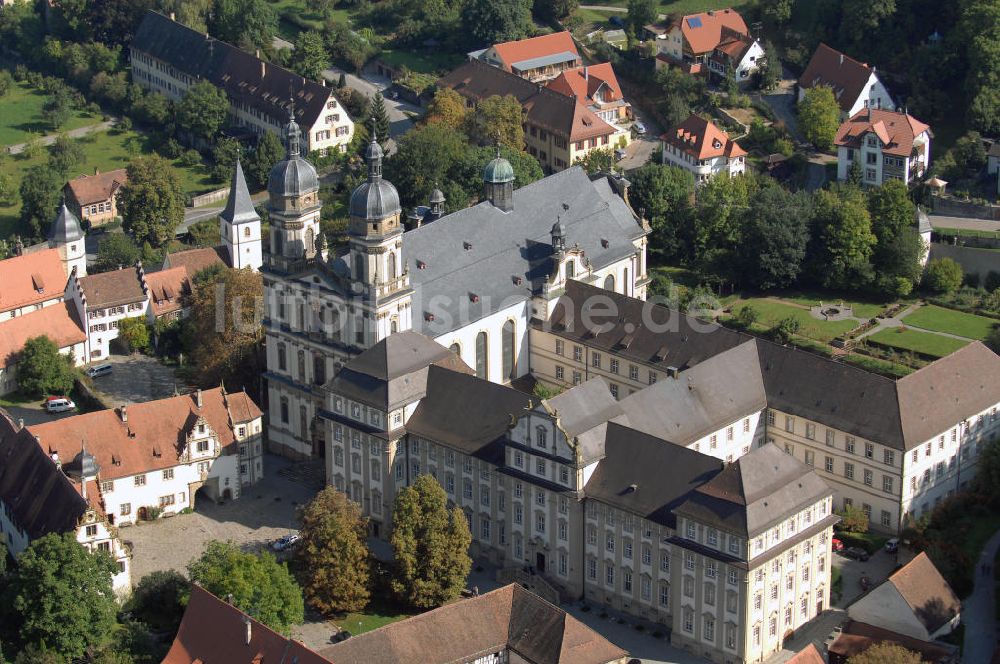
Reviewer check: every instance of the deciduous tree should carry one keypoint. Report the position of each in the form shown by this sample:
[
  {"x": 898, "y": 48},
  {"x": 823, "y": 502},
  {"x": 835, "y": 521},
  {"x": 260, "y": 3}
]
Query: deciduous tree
[
  {"x": 65, "y": 154},
  {"x": 898, "y": 248},
  {"x": 640, "y": 13},
  {"x": 42, "y": 369},
  {"x": 447, "y": 108},
  {"x": 224, "y": 155},
  {"x": 845, "y": 239},
  {"x": 159, "y": 598},
  {"x": 269, "y": 151},
  {"x": 249, "y": 24},
  {"x": 664, "y": 194},
  {"x": 39, "y": 191},
  {"x": 495, "y": 119},
  {"x": 259, "y": 585},
  {"x": 60, "y": 596},
  {"x": 493, "y": 21},
  {"x": 115, "y": 251},
  {"x": 819, "y": 116},
  {"x": 135, "y": 333},
  {"x": 152, "y": 202},
  {"x": 310, "y": 57},
  {"x": 57, "y": 109},
  {"x": 944, "y": 275},
  {"x": 334, "y": 554},
  {"x": 202, "y": 111},
  {"x": 886, "y": 652},
  {"x": 774, "y": 238},
  {"x": 431, "y": 545},
  {"x": 597, "y": 160}
]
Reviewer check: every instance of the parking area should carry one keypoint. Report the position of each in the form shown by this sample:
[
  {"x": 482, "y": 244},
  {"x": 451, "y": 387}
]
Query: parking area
[
  {"x": 877, "y": 568},
  {"x": 264, "y": 512},
  {"x": 137, "y": 378}
]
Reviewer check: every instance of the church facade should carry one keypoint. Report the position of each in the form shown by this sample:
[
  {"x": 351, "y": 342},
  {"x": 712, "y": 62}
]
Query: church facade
[{"x": 471, "y": 280}]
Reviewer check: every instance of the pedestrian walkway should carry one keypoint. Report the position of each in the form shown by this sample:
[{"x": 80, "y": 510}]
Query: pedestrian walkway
[
  {"x": 18, "y": 148},
  {"x": 979, "y": 608}
]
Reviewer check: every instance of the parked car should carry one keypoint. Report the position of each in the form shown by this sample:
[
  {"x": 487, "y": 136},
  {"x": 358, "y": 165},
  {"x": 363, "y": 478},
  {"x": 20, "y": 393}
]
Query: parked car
[
  {"x": 856, "y": 552},
  {"x": 619, "y": 154},
  {"x": 286, "y": 542},
  {"x": 342, "y": 635},
  {"x": 99, "y": 370},
  {"x": 59, "y": 404},
  {"x": 892, "y": 546},
  {"x": 837, "y": 545},
  {"x": 639, "y": 128}
]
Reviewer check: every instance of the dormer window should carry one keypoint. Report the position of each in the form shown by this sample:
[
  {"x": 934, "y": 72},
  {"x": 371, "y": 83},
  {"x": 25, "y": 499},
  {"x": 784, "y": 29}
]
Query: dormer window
[{"x": 717, "y": 144}]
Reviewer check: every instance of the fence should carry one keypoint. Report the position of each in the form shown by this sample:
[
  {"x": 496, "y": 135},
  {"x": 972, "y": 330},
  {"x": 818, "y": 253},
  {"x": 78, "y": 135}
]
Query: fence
[{"x": 210, "y": 197}]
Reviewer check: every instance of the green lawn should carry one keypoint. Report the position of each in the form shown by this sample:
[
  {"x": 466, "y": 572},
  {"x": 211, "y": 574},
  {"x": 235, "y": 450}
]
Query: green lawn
[
  {"x": 597, "y": 18},
  {"x": 359, "y": 623},
  {"x": 696, "y": 6},
  {"x": 425, "y": 63},
  {"x": 921, "y": 342},
  {"x": 861, "y": 309},
  {"x": 771, "y": 312},
  {"x": 21, "y": 116},
  {"x": 105, "y": 151},
  {"x": 940, "y": 319}
]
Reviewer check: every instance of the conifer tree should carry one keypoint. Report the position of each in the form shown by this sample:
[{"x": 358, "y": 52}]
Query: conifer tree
[{"x": 380, "y": 118}]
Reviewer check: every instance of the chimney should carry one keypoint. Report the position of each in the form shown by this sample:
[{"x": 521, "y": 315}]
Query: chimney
[
  {"x": 173, "y": 16},
  {"x": 249, "y": 627},
  {"x": 263, "y": 69},
  {"x": 841, "y": 59},
  {"x": 124, "y": 414},
  {"x": 97, "y": 171},
  {"x": 586, "y": 74},
  {"x": 197, "y": 397}
]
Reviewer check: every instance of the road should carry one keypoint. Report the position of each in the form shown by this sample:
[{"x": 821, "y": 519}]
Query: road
[
  {"x": 368, "y": 84},
  {"x": 979, "y": 609},
  {"x": 964, "y": 223},
  {"x": 642, "y": 147},
  {"x": 18, "y": 148}
]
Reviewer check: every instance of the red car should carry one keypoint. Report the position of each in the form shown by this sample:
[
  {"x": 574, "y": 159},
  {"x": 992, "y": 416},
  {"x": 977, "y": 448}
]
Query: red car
[{"x": 837, "y": 545}]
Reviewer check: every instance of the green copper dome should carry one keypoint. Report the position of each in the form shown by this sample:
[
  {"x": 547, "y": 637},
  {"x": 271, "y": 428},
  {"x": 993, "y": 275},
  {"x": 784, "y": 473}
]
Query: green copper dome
[{"x": 498, "y": 170}]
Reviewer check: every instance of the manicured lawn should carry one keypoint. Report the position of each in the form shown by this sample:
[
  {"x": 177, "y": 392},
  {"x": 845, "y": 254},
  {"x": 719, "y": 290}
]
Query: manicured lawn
[
  {"x": 940, "y": 319},
  {"x": 863, "y": 310},
  {"x": 105, "y": 151},
  {"x": 921, "y": 342},
  {"x": 21, "y": 116},
  {"x": 424, "y": 63},
  {"x": 596, "y": 17},
  {"x": 771, "y": 311},
  {"x": 695, "y": 6},
  {"x": 359, "y": 623}
]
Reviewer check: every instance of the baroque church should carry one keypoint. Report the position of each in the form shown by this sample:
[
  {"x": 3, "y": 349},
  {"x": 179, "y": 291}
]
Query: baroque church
[{"x": 472, "y": 280}]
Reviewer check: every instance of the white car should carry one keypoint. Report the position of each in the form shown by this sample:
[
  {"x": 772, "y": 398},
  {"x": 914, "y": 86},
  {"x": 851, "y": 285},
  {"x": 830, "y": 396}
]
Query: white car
[
  {"x": 59, "y": 404},
  {"x": 639, "y": 128},
  {"x": 286, "y": 542}
]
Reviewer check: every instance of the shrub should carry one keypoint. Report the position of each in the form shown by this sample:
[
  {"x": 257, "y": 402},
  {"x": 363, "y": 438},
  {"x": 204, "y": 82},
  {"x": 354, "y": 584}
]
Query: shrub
[
  {"x": 783, "y": 331},
  {"x": 944, "y": 275},
  {"x": 190, "y": 158},
  {"x": 853, "y": 520}
]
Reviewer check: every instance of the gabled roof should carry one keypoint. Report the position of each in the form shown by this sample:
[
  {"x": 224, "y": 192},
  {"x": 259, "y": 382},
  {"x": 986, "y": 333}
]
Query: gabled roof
[
  {"x": 926, "y": 592},
  {"x": 194, "y": 260},
  {"x": 545, "y": 108},
  {"x": 703, "y": 32},
  {"x": 896, "y": 131},
  {"x": 115, "y": 288},
  {"x": 166, "y": 288},
  {"x": 557, "y": 43},
  {"x": 58, "y": 322},
  {"x": 31, "y": 278},
  {"x": 87, "y": 189},
  {"x": 582, "y": 83},
  {"x": 154, "y": 435},
  {"x": 808, "y": 655},
  {"x": 857, "y": 637},
  {"x": 646, "y": 475},
  {"x": 40, "y": 498},
  {"x": 243, "y": 77},
  {"x": 507, "y": 618},
  {"x": 702, "y": 139},
  {"x": 584, "y": 412},
  {"x": 215, "y": 631},
  {"x": 844, "y": 75}
]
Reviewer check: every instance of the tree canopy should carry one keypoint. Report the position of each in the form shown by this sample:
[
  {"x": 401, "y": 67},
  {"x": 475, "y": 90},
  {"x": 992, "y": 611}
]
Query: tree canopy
[
  {"x": 152, "y": 202},
  {"x": 497, "y": 119},
  {"x": 489, "y": 22},
  {"x": 943, "y": 275},
  {"x": 447, "y": 108},
  {"x": 819, "y": 116},
  {"x": 844, "y": 240},
  {"x": 202, "y": 111},
  {"x": 250, "y": 24},
  {"x": 259, "y": 585},
  {"x": 663, "y": 194},
  {"x": 39, "y": 190},
  {"x": 775, "y": 237},
  {"x": 42, "y": 370},
  {"x": 310, "y": 57},
  {"x": 886, "y": 652}
]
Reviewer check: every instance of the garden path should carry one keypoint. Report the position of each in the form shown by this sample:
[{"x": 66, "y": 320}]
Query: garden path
[{"x": 49, "y": 139}]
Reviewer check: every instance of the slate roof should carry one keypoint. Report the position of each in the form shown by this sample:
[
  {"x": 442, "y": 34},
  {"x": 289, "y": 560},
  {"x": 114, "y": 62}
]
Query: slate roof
[
  {"x": 755, "y": 492},
  {"x": 465, "y": 412},
  {"x": 58, "y": 322},
  {"x": 702, "y": 139},
  {"x": 152, "y": 438},
  {"x": 215, "y": 631},
  {"x": 66, "y": 227},
  {"x": 394, "y": 371},
  {"x": 239, "y": 205},
  {"x": 39, "y": 497},
  {"x": 683, "y": 341},
  {"x": 548, "y": 109},
  {"x": 483, "y": 250},
  {"x": 646, "y": 475},
  {"x": 926, "y": 592},
  {"x": 719, "y": 391},
  {"x": 244, "y": 78},
  {"x": 88, "y": 189},
  {"x": 584, "y": 412},
  {"x": 507, "y": 618},
  {"x": 703, "y": 31},
  {"x": 31, "y": 278},
  {"x": 844, "y": 75},
  {"x": 896, "y": 131},
  {"x": 109, "y": 289}
]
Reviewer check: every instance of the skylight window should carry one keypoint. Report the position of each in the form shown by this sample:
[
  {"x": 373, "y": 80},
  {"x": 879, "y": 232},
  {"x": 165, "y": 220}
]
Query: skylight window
[{"x": 694, "y": 22}]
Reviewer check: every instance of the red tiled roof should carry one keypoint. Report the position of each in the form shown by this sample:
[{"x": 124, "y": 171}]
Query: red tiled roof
[
  {"x": 895, "y": 130},
  {"x": 215, "y": 632},
  {"x": 844, "y": 75},
  {"x": 194, "y": 260},
  {"x": 87, "y": 189},
  {"x": 166, "y": 288},
  {"x": 31, "y": 278},
  {"x": 857, "y": 637},
  {"x": 535, "y": 47},
  {"x": 702, "y": 139},
  {"x": 809, "y": 655},
  {"x": 58, "y": 322},
  {"x": 153, "y": 436},
  {"x": 705, "y": 37},
  {"x": 922, "y": 587},
  {"x": 108, "y": 289},
  {"x": 584, "y": 82}
]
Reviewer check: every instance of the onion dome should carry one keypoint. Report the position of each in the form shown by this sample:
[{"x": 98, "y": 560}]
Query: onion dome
[
  {"x": 376, "y": 198},
  {"x": 292, "y": 176}
]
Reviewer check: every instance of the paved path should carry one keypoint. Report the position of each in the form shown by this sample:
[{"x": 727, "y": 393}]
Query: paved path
[
  {"x": 886, "y": 323},
  {"x": 979, "y": 609},
  {"x": 368, "y": 84},
  {"x": 965, "y": 223},
  {"x": 73, "y": 133},
  {"x": 605, "y": 8}
]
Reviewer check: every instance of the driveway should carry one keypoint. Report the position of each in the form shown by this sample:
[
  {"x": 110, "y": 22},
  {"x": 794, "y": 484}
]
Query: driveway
[
  {"x": 877, "y": 569},
  {"x": 782, "y": 101},
  {"x": 979, "y": 608},
  {"x": 137, "y": 378},
  {"x": 641, "y": 149},
  {"x": 368, "y": 84}
]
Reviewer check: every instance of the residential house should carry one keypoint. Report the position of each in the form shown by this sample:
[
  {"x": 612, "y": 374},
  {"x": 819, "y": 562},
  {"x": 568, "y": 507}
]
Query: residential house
[
  {"x": 915, "y": 601},
  {"x": 559, "y": 128},
  {"x": 103, "y": 300},
  {"x": 194, "y": 260},
  {"x": 94, "y": 198},
  {"x": 857, "y": 637},
  {"x": 699, "y": 146},
  {"x": 58, "y": 322},
  {"x": 40, "y": 495},
  {"x": 154, "y": 457},
  {"x": 596, "y": 86},
  {"x": 169, "y": 57},
  {"x": 31, "y": 281},
  {"x": 536, "y": 58},
  {"x": 887, "y": 145},
  {"x": 714, "y": 42},
  {"x": 855, "y": 84},
  {"x": 167, "y": 290}
]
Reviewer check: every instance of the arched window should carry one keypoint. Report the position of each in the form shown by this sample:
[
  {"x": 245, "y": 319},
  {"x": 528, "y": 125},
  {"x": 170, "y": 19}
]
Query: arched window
[
  {"x": 570, "y": 269},
  {"x": 359, "y": 266},
  {"x": 482, "y": 348},
  {"x": 278, "y": 243},
  {"x": 303, "y": 423},
  {"x": 246, "y": 231},
  {"x": 319, "y": 368},
  {"x": 284, "y": 410},
  {"x": 456, "y": 349},
  {"x": 393, "y": 325},
  {"x": 609, "y": 282},
  {"x": 390, "y": 267},
  {"x": 282, "y": 358},
  {"x": 302, "y": 365},
  {"x": 507, "y": 346},
  {"x": 626, "y": 284}
]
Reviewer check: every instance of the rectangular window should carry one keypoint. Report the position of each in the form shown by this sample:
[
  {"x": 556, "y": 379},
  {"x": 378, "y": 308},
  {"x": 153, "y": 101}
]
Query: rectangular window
[
  {"x": 789, "y": 424},
  {"x": 869, "y": 450},
  {"x": 614, "y": 365},
  {"x": 829, "y": 437},
  {"x": 595, "y": 360},
  {"x": 849, "y": 471},
  {"x": 868, "y": 477},
  {"x": 140, "y": 480},
  {"x": 887, "y": 483}
]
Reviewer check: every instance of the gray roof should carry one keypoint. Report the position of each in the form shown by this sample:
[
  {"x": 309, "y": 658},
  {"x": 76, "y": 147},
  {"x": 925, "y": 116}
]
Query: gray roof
[
  {"x": 923, "y": 221},
  {"x": 647, "y": 476},
  {"x": 703, "y": 399},
  {"x": 239, "y": 206},
  {"x": 755, "y": 492},
  {"x": 66, "y": 227},
  {"x": 481, "y": 250},
  {"x": 293, "y": 175},
  {"x": 584, "y": 412},
  {"x": 545, "y": 60}
]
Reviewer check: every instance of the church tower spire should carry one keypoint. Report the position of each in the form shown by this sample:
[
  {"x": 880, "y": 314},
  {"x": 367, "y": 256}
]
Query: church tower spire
[
  {"x": 239, "y": 224},
  {"x": 67, "y": 236}
]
